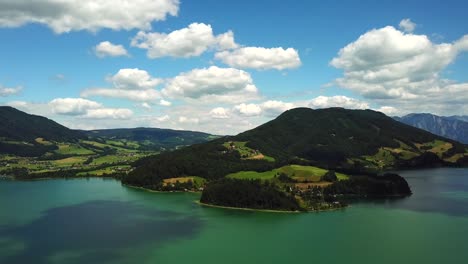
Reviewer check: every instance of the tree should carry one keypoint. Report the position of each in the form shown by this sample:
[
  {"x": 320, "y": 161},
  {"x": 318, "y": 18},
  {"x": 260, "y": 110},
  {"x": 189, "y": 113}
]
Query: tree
[{"x": 330, "y": 176}]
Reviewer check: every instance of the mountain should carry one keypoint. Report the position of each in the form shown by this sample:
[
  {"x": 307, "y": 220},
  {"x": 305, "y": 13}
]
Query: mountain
[
  {"x": 458, "y": 117},
  {"x": 352, "y": 141},
  {"x": 24, "y": 134},
  {"x": 454, "y": 127},
  {"x": 151, "y": 138},
  {"x": 19, "y": 126},
  {"x": 29, "y": 135}
]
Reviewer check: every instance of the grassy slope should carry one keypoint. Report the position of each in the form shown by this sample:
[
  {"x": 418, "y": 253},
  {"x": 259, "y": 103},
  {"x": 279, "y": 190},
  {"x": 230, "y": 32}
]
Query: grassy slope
[
  {"x": 296, "y": 172},
  {"x": 38, "y": 145}
]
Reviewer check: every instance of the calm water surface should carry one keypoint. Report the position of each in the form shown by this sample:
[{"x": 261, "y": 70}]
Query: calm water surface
[{"x": 101, "y": 221}]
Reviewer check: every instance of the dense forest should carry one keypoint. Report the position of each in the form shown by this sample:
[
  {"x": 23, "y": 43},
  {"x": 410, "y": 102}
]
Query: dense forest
[
  {"x": 387, "y": 185},
  {"x": 20, "y": 126},
  {"x": 206, "y": 160},
  {"x": 330, "y": 136},
  {"x": 252, "y": 194},
  {"x": 256, "y": 194}
]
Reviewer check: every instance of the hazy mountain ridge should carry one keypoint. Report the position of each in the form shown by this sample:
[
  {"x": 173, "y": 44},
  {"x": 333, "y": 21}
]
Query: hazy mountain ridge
[
  {"x": 453, "y": 127},
  {"x": 152, "y": 138}
]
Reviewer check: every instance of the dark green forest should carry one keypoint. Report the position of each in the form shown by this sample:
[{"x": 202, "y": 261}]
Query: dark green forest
[{"x": 248, "y": 194}]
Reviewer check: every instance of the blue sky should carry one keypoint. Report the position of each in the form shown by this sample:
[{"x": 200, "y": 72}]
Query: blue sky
[{"x": 161, "y": 63}]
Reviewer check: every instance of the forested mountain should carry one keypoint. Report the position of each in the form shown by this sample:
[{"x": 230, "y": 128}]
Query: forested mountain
[
  {"x": 334, "y": 138},
  {"x": 454, "y": 127},
  {"x": 22, "y": 134},
  {"x": 459, "y": 117},
  {"x": 29, "y": 135},
  {"x": 20, "y": 126}
]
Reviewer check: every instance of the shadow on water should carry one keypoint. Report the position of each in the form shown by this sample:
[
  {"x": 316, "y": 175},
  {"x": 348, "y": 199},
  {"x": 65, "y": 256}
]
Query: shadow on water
[{"x": 97, "y": 232}]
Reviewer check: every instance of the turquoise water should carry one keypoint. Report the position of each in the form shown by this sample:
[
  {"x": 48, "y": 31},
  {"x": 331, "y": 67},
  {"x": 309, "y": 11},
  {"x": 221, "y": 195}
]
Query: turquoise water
[{"x": 101, "y": 221}]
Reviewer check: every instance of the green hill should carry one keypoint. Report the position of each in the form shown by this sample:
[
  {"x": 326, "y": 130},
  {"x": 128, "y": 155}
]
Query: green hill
[
  {"x": 19, "y": 126},
  {"x": 335, "y": 137},
  {"x": 350, "y": 141},
  {"x": 36, "y": 147},
  {"x": 24, "y": 134}
]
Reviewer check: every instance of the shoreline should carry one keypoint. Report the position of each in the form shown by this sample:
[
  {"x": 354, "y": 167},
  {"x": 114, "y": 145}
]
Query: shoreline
[
  {"x": 268, "y": 210},
  {"x": 196, "y": 201},
  {"x": 61, "y": 178},
  {"x": 248, "y": 209},
  {"x": 155, "y": 191}
]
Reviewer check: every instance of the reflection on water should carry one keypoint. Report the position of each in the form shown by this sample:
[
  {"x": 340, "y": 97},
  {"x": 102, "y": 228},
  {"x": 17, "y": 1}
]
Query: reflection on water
[{"x": 94, "y": 232}]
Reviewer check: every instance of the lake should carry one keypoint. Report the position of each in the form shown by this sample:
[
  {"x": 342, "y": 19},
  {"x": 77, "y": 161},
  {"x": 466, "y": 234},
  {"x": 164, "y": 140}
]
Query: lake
[{"x": 101, "y": 221}]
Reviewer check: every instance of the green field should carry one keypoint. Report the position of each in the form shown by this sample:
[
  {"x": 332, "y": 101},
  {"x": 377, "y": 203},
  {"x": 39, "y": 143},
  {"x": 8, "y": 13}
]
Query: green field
[
  {"x": 125, "y": 158},
  {"x": 246, "y": 152},
  {"x": 69, "y": 161},
  {"x": 44, "y": 142},
  {"x": 198, "y": 181},
  {"x": 297, "y": 172},
  {"x": 115, "y": 155},
  {"x": 73, "y": 149},
  {"x": 437, "y": 147},
  {"x": 104, "y": 146},
  {"x": 123, "y": 143}
]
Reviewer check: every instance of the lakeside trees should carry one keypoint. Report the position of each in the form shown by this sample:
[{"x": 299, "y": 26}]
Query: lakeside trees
[{"x": 248, "y": 194}]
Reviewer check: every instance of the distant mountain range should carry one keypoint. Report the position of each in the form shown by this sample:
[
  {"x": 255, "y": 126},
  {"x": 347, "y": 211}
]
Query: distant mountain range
[
  {"x": 457, "y": 117},
  {"x": 453, "y": 127},
  {"x": 151, "y": 138}
]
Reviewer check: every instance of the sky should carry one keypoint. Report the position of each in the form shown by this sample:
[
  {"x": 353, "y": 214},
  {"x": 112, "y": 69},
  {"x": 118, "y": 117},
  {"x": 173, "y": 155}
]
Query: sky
[{"x": 227, "y": 66}]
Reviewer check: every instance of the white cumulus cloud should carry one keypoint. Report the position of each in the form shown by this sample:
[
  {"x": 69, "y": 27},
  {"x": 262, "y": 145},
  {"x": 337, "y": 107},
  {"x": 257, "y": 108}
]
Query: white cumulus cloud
[
  {"x": 163, "y": 118},
  {"x": 394, "y": 68},
  {"x": 407, "y": 25},
  {"x": 248, "y": 109},
  {"x": 273, "y": 107},
  {"x": 9, "y": 91},
  {"x": 134, "y": 79},
  {"x": 131, "y": 84},
  {"x": 337, "y": 101},
  {"x": 65, "y": 16},
  {"x": 186, "y": 42},
  {"x": 261, "y": 58},
  {"x": 212, "y": 84},
  {"x": 107, "y": 49},
  {"x": 219, "y": 113},
  {"x": 84, "y": 108},
  {"x": 188, "y": 120},
  {"x": 164, "y": 102},
  {"x": 109, "y": 113},
  {"x": 72, "y": 106}
]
